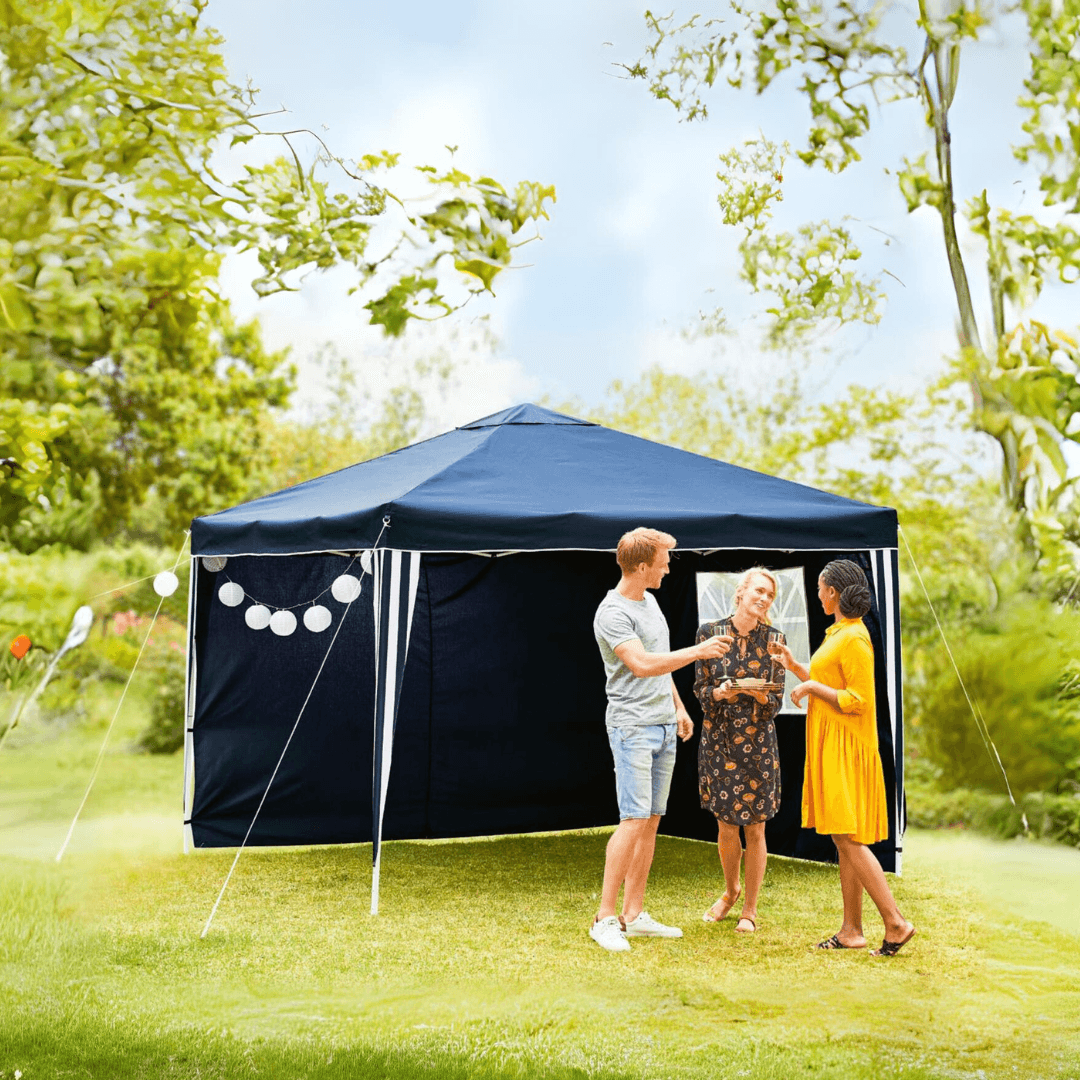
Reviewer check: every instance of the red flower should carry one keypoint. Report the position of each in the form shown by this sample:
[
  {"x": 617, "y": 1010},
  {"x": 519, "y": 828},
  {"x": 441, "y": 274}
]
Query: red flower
[{"x": 20, "y": 646}]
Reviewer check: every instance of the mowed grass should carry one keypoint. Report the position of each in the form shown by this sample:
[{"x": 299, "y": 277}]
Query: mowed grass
[{"x": 479, "y": 964}]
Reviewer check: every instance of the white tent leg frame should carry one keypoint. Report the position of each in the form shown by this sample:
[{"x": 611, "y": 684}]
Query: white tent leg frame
[{"x": 396, "y": 576}]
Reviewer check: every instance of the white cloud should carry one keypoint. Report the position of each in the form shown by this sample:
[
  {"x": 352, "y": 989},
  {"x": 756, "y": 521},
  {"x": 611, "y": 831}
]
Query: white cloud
[{"x": 479, "y": 386}]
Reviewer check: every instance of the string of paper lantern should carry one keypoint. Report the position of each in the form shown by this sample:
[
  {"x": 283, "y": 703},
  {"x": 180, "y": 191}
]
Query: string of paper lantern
[{"x": 280, "y": 618}]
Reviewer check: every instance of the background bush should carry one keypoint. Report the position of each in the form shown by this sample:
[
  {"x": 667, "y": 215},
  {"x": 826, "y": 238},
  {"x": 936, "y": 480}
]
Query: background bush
[
  {"x": 1049, "y": 817},
  {"x": 165, "y": 732},
  {"x": 39, "y": 595},
  {"x": 1021, "y": 670}
]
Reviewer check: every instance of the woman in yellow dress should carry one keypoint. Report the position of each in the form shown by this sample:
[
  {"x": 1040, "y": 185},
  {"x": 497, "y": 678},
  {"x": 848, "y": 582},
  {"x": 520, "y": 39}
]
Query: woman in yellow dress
[{"x": 843, "y": 787}]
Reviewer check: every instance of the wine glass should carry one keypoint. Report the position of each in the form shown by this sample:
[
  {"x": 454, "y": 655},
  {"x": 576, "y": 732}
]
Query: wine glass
[
  {"x": 775, "y": 637},
  {"x": 725, "y": 660}
]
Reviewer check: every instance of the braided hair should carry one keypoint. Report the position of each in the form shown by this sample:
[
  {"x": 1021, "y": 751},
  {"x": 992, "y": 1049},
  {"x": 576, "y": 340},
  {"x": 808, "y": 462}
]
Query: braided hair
[{"x": 848, "y": 579}]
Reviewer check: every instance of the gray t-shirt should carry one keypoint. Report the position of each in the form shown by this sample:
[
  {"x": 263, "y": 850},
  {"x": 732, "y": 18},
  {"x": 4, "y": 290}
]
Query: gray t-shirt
[{"x": 633, "y": 702}]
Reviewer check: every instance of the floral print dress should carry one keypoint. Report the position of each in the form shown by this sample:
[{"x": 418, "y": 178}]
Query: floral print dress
[{"x": 738, "y": 760}]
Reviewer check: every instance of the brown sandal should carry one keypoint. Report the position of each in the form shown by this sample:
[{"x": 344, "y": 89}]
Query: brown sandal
[
  {"x": 750, "y": 920},
  {"x": 711, "y": 916}
]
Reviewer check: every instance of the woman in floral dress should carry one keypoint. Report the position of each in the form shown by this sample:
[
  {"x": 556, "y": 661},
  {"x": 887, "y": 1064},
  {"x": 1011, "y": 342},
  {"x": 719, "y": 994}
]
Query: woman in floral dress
[{"x": 738, "y": 761}]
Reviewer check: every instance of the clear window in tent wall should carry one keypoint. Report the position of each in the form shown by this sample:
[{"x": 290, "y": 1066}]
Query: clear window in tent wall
[{"x": 716, "y": 600}]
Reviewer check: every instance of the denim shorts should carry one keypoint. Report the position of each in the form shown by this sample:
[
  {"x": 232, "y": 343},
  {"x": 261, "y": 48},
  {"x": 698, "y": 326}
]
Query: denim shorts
[{"x": 644, "y": 761}]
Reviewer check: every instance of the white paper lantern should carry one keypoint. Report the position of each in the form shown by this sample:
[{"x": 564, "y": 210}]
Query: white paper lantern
[
  {"x": 345, "y": 589},
  {"x": 317, "y": 618},
  {"x": 214, "y": 563},
  {"x": 230, "y": 594},
  {"x": 365, "y": 561},
  {"x": 283, "y": 623},
  {"x": 257, "y": 617},
  {"x": 166, "y": 583}
]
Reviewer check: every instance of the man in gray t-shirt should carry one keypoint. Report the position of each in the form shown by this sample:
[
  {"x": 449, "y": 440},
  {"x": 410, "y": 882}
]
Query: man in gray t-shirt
[
  {"x": 644, "y": 714},
  {"x": 633, "y": 701}
]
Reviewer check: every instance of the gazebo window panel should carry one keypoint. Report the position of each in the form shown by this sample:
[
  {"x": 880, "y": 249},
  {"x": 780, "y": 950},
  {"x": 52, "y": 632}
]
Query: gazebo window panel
[{"x": 716, "y": 600}]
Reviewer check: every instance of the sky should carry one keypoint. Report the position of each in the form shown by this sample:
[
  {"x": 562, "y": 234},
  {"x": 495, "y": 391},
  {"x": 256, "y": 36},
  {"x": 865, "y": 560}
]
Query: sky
[{"x": 635, "y": 248}]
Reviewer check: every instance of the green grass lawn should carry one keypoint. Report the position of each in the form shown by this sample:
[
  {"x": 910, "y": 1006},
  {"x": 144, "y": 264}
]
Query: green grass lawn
[{"x": 479, "y": 965}]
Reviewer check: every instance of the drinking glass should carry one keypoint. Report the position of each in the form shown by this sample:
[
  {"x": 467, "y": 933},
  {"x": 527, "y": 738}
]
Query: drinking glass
[
  {"x": 774, "y": 637},
  {"x": 725, "y": 660}
]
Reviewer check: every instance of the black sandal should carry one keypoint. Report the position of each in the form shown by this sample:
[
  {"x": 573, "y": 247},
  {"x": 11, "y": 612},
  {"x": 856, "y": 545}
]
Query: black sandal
[
  {"x": 835, "y": 943},
  {"x": 891, "y": 948}
]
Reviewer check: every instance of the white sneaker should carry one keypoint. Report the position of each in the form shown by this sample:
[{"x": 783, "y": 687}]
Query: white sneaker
[
  {"x": 608, "y": 934},
  {"x": 646, "y": 926}
]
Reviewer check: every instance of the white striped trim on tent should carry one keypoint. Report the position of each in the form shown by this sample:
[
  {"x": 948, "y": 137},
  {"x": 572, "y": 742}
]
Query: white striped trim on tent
[
  {"x": 396, "y": 574},
  {"x": 189, "y": 707},
  {"x": 885, "y": 566},
  {"x": 493, "y": 552}
]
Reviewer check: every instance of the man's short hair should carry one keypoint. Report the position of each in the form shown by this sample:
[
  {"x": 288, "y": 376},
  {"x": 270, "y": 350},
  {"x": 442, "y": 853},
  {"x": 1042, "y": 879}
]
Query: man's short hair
[{"x": 639, "y": 546}]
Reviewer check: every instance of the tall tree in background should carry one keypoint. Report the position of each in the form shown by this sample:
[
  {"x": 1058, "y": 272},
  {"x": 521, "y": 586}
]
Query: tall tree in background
[
  {"x": 1023, "y": 375},
  {"x": 123, "y": 369}
]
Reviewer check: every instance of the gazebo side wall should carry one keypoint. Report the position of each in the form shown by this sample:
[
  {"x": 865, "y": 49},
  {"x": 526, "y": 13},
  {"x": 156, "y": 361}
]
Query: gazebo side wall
[{"x": 501, "y": 723}]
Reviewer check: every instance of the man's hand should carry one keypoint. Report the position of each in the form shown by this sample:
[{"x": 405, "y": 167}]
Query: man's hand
[
  {"x": 715, "y": 647},
  {"x": 684, "y": 726}
]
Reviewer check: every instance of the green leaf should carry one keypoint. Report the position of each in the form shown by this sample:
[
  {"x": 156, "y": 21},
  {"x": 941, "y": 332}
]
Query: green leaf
[
  {"x": 393, "y": 310},
  {"x": 479, "y": 268},
  {"x": 14, "y": 310}
]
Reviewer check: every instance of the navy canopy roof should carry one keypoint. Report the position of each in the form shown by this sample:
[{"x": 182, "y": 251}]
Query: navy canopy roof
[{"x": 528, "y": 478}]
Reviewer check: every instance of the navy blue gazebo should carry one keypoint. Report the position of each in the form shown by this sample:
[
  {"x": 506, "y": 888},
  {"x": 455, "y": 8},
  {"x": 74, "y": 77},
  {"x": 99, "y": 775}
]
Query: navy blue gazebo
[{"x": 463, "y": 694}]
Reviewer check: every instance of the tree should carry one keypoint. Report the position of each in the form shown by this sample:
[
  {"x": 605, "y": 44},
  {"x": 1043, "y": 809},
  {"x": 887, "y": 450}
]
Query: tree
[
  {"x": 353, "y": 424},
  {"x": 123, "y": 369},
  {"x": 1023, "y": 377}
]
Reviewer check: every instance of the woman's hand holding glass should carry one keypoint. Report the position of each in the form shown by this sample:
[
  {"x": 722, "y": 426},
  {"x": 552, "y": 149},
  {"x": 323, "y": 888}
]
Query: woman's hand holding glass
[
  {"x": 787, "y": 658},
  {"x": 780, "y": 650}
]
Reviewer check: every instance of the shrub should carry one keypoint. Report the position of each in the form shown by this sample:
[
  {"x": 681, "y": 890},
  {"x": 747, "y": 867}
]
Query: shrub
[
  {"x": 1049, "y": 817},
  {"x": 39, "y": 594},
  {"x": 1019, "y": 670},
  {"x": 165, "y": 732}
]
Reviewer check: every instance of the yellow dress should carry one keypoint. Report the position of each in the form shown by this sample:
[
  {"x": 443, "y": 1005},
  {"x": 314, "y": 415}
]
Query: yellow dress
[{"x": 843, "y": 786}]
